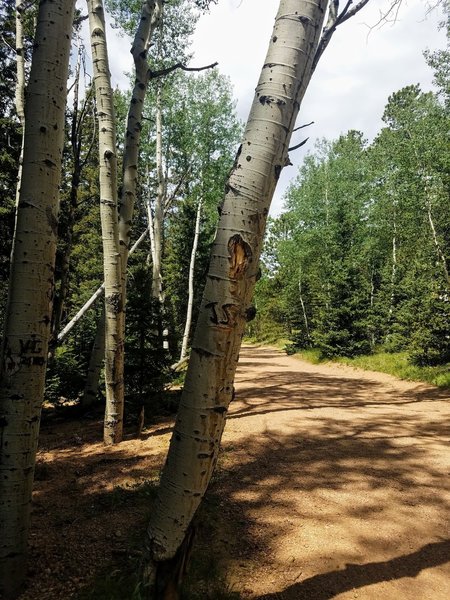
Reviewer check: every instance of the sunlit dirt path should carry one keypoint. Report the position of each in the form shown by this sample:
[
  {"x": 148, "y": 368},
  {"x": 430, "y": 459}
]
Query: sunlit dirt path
[
  {"x": 340, "y": 478},
  {"x": 331, "y": 483}
]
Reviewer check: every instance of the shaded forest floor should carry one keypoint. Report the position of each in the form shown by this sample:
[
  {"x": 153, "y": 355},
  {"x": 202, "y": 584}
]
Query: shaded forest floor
[{"x": 332, "y": 483}]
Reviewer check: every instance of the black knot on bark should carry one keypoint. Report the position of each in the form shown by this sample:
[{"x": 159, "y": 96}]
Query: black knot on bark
[{"x": 250, "y": 313}]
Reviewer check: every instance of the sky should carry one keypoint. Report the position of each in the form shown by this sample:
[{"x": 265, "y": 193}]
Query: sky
[{"x": 361, "y": 67}]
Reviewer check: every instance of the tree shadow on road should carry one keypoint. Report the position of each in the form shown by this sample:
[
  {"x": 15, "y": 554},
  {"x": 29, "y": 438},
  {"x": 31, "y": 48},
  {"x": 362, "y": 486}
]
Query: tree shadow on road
[
  {"x": 352, "y": 477},
  {"x": 328, "y": 585}
]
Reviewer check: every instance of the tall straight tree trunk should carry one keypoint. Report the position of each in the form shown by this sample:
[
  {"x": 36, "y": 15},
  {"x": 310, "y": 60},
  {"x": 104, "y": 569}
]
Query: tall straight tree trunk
[
  {"x": 114, "y": 310},
  {"x": 151, "y": 12},
  {"x": 305, "y": 316},
  {"x": 187, "y": 327},
  {"x": 151, "y": 230},
  {"x": 394, "y": 264},
  {"x": 159, "y": 204},
  {"x": 98, "y": 348},
  {"x": 27, "y": 324},
  {"x": 20, "y": 84},
  {"x": 230, "y": 282}
]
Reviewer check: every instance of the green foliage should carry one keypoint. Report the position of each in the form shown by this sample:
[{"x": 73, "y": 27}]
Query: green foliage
[
  {"x": 66, "y": 375},
  {"x": 361, "y": 255},
  {"x": 202, "y": 135},
  {"x": 146, "y": 365}
]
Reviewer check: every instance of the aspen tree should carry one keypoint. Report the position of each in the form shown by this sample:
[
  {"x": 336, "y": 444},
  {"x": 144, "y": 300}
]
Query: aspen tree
[
  {"x": 117, "y": 228},
  {"x": 187, "y": 326},
  {"x": 294, "y": 49},
  {"x": 232, "y": 274},
  {"x": 150, "y": 15},
  {"x": 27, "y": 327},
  {"x": 114, "y": 309},
  {"x": 20, "y": 83},
  {"x": 158, "y": 216}
]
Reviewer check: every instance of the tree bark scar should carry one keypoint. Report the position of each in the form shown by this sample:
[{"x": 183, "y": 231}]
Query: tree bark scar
[
  {"x": 113, "y": 303},
  {"x": 240, "y": 256}
]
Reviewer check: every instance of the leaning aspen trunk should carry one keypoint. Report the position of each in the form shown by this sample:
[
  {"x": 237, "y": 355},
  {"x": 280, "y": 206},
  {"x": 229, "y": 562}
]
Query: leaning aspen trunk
[
  {"x": 93, "y": 299},
  {"x": 187, "y": 327},
  {"x": 230, "y": 282},
  {"x": 114, "y": 315},
  {"x": 27, "y": 326}
]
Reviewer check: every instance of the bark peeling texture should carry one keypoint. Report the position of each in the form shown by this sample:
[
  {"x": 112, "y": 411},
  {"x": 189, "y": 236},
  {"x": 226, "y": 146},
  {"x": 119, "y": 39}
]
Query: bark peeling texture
[
  {"x": 27, "y": 326},
  {"x": 231, "y": 278},
  {"x": 114, "y": 310}
]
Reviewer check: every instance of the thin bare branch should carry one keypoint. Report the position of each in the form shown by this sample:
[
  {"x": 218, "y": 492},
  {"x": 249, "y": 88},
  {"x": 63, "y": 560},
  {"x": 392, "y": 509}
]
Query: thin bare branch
[
  {"x": 302, "y": 143},
  {"x": 303, "y": 126},
  {"x": 330, "y": 28},
  {"x": 351, "y": 13},
  {"x": 162, "y": 72}
]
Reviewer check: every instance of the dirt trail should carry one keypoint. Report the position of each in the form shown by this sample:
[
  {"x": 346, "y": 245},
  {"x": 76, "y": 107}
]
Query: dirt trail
[
  {"x": 342, "y": 477},
  {"x": 332, "y": 483}
]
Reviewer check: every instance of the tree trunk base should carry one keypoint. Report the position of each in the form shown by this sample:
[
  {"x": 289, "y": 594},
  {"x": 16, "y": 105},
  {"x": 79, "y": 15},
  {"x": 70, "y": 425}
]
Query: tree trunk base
[{"x": 163, "y": 580}]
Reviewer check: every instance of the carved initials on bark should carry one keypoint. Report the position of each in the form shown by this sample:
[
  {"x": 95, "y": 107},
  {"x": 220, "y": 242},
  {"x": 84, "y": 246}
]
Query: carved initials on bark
[{"x": 31, "y": 346}]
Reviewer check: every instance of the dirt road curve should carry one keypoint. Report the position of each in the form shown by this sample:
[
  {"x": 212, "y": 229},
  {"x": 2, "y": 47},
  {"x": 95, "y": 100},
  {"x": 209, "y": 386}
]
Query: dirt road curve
[{"x": 341, "y": 478}]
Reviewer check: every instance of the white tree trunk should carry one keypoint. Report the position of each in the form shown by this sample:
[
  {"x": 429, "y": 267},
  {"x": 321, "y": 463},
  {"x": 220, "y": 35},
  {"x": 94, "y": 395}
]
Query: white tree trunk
[
  {"x": 437, "y": 245},
  {"x": 187, "y": 327},
  {"x": 27, "y": 323},
  {"x": 394, "y": 265},
  {"x": 20, "y": 84},
  {"x": 305, "y": 316},
  {"x": 114, "y": 309},
  {"x": 231, "y": 278},
  {"x": 75, "y": 142},
  {"x": 151, "y": 12},
  {"x": 158, "y": 217},
  {"x": 151, "y": 230}
]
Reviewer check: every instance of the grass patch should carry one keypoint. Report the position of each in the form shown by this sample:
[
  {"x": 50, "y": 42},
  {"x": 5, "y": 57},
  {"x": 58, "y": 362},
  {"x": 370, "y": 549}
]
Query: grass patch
[
  {"x": 311, "y": 355},
  {"x": 395, "y": 363}
]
